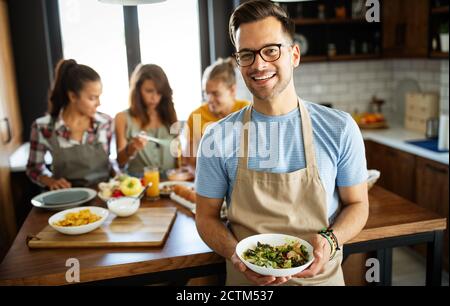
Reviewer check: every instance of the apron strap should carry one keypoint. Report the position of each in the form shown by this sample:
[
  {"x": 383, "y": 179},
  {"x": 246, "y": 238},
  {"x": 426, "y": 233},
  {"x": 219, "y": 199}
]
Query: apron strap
[
  {"x": 53, "y": 139},
  {"x": 243, "y": 148},
  {"x": 308, "y": 144}
]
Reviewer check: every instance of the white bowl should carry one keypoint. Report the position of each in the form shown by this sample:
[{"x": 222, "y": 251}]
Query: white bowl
[
  {"x": 82, "y": 229},
  {"x": 273, "y": 240},
  {"x": 373, "y": 176},
  {"x": 124, "y": 206}
]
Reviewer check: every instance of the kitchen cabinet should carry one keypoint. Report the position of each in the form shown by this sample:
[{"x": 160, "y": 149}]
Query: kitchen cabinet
[
  {"x": 10, "y": 130},
  {"x": 432, "y": 192},
  {"x": 396, "y": 167},
  {"x": 405, "y": 28},
  {"x": 438, "y": 19},
  {"x": 332, "y": 31},
  {"x": 417, "y": 179},
  {"x": 405, "y": 31}
]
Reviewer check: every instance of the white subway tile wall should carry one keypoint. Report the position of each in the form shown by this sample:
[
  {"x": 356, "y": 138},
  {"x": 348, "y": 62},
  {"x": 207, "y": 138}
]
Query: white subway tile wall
[{"x": 350, "y": 86}]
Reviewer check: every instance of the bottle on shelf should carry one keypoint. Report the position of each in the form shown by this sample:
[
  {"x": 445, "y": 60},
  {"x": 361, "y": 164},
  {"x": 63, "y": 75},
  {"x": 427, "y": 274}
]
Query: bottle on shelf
[
  {"x": 321, "y": 11},
  {"x": 434, "y": 44},
  {"x": 331, "y": 50}
]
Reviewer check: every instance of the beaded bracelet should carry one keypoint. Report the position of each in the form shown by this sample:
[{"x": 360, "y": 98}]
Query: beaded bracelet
[
  {"x": 333, "y": 251},
  {"x": 331, "y": 238}
]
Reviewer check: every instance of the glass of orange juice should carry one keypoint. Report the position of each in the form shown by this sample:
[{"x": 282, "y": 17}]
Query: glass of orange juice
[{"x": 151, "y": 175}]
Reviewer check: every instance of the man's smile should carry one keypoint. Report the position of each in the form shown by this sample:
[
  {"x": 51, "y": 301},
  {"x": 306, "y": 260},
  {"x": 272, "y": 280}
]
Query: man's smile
[{"x": 262, "y": 78}]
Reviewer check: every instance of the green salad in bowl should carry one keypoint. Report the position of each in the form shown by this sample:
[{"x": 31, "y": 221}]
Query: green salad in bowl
[
  {"x": 288, "y": 255},
  {"x": 275, "y": 254}
]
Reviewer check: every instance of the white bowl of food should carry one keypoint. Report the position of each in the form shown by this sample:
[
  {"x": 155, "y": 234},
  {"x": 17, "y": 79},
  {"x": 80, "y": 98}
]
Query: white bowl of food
[
  {"x": 79, "y": 220},
  {"x": 276, "y": 255},
  {"x": 124, "y": 206}
]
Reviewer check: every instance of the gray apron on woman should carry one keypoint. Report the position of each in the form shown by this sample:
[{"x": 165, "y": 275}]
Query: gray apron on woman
[
  {"x": 152, "y": 154},
  {"x": 82, "y": 165}
]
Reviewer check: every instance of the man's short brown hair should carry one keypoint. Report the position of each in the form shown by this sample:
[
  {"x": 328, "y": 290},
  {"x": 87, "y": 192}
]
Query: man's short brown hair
[{"x": 256, "y": 10}]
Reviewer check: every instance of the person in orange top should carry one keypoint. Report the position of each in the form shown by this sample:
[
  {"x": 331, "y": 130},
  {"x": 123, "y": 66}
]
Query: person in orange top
[{"x": 219, "y": 86}]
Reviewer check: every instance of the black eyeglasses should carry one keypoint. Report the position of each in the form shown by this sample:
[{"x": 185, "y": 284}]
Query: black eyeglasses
[{"x": 269, "y": 53}]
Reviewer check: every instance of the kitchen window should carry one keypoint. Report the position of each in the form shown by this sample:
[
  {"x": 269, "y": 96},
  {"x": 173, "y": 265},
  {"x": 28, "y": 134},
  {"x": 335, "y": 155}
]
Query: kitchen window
[
  {"x": 170, "y": 38},
  {"x": 93, "y": 34}
]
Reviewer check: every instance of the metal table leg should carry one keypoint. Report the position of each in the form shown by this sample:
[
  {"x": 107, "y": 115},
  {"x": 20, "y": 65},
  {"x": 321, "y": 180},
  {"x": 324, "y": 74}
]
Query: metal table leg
[
  {"x": 385, "y": 258},
  {"x": 434, "y": 260}
]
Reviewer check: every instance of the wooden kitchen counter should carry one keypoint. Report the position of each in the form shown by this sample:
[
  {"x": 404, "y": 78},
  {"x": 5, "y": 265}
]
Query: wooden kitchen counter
[{"x": 392, "y": 222}]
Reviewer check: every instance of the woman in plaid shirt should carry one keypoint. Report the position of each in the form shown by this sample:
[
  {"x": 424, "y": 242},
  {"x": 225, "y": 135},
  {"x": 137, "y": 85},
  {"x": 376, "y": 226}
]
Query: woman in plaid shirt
[{"x": 77, "y": 136}]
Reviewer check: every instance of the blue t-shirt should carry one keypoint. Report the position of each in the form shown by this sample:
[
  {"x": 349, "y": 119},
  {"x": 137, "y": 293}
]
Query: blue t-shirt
[{"x": 278, "y": 148}]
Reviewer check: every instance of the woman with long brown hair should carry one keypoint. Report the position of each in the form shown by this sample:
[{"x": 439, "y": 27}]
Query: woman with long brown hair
[
  {"x": 151, "y": 113},
  {"x": 76, "y": 135}
]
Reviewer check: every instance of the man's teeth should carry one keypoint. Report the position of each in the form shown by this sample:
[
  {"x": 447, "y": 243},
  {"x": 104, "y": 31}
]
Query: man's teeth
[{"x": 264, "y": 77}]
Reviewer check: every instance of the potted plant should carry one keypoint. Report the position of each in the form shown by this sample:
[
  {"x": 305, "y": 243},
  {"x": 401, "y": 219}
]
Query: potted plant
[{"x": 444, "y": 37}]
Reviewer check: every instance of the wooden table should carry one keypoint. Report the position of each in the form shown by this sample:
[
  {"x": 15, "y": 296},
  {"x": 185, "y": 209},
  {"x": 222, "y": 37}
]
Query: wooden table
[
  {"x": 184, "y": 255},
  {"x": 393, "y": 222}
]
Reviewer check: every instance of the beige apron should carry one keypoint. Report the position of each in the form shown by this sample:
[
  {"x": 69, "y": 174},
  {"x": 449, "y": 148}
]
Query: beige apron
[{"x": 290, "y": 203}]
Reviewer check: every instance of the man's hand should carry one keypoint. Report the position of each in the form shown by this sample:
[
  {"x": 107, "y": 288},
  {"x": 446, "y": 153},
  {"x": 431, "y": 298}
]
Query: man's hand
[
  {"x": 322, "y": 252},
  {"x": 258, "y": 279}
]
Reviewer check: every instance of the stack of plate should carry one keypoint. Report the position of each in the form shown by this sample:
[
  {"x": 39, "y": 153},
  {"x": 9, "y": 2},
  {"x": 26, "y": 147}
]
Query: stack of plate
[{"x": 63, "y": 198}]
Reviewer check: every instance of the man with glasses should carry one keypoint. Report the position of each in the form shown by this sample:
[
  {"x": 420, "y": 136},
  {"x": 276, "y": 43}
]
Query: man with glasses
[{"x": 283, "y": 164}]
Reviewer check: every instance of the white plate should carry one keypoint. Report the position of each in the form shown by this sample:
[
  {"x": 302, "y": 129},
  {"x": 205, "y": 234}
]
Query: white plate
[
  {"x": 38, "y": 202},
  {"x": 188, "y": 204},
  {"x": 82, "y": 229},
  {"x": 173, "y": 183},
  {"x": 273, "y": 240},
  {"x": 191, "y": 206}
]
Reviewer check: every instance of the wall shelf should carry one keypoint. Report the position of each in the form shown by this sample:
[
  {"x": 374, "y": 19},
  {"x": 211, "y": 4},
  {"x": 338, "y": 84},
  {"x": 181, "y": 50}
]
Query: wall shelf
[
  {"x": 345, "y": 33},
  {"x": 317, "y": 21},
  {"x": 313, "y": 58},
  {"x": 438, "y": 54},
  {"x": 439, "y": 10},
  {"x": 338, "y": 58},
  {"x": 349, "y": 57}
]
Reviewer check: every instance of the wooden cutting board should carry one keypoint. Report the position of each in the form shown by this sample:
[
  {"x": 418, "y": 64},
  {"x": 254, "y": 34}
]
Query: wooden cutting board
[{"x": 148, "y": 227}]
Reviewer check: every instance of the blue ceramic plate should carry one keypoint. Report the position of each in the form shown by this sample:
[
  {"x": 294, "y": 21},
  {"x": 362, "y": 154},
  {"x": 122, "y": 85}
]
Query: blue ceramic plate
[{"x": 65, "y": 197}]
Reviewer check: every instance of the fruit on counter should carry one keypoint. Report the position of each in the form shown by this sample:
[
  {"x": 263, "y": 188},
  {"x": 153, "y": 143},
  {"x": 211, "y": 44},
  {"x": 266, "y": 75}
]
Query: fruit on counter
[
  {"x": 368, "y": 118},
  {"x": 107, "y": 189},
  {"x": 106, "y": 193},
  {"x": 122, "y": 177},
  {"x": 112, "y": 188},
  {"x": 130, "y": 186},
  {"x": 117, "y": 194}
]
